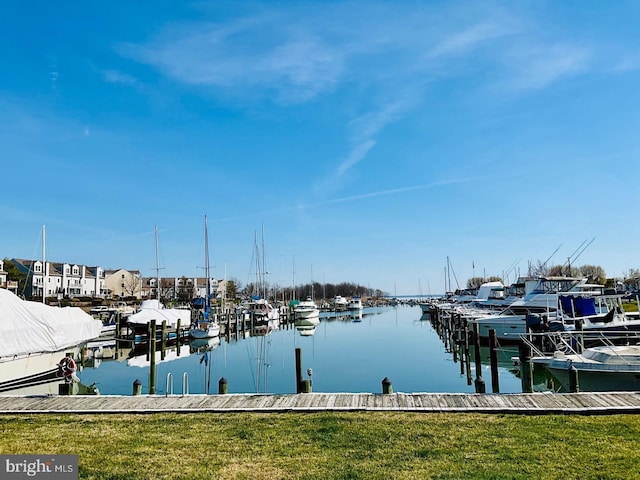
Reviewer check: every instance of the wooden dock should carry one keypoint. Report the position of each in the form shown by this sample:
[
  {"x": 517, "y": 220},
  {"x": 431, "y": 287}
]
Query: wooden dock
[{"x": 542, "y": 403}]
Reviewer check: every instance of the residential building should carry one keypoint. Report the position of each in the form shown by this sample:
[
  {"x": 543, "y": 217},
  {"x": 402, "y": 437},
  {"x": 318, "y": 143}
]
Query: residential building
[
  {"x": 123, "y": 283},
  {"x": 61, "y": 279}
]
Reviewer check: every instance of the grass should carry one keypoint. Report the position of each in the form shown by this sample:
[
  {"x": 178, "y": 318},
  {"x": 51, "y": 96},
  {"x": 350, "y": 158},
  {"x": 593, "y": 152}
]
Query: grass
[{"x": 333, "y": 445}]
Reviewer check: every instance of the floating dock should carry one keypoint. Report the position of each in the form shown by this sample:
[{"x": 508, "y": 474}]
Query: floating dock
[{"x": 539, "y": 403}]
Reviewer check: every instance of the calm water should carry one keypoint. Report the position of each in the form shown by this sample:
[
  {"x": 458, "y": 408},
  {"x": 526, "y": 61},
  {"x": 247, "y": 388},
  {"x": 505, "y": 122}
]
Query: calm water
[{"x": 344, "y": 355}]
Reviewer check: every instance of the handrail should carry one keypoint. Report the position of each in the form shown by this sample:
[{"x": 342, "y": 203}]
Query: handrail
[
  {"x": 185, "y": 384},
  {"x": 169, "y": 387}
]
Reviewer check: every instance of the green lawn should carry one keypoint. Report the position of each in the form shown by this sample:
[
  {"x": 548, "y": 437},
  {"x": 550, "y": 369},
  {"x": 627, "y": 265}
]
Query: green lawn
[{"x": 333, "y": 445}]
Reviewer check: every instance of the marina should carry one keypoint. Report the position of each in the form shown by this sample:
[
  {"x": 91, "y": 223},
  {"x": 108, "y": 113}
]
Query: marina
[{"x": 343, "y": 351}]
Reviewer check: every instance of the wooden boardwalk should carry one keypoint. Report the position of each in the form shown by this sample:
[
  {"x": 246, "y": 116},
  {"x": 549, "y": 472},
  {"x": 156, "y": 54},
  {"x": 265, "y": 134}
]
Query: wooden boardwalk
[{"x": 542, "y": 403}]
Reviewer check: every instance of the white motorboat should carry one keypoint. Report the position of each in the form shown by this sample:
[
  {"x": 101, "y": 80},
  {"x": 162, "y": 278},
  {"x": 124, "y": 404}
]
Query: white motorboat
[
  {"x": 542, "y": 299},
  {"x": 340, "y": 303},
  {"x": 601, "y": 368},
  {"x": 306, "y": 309},
  {"x": 355, "y": 303}
]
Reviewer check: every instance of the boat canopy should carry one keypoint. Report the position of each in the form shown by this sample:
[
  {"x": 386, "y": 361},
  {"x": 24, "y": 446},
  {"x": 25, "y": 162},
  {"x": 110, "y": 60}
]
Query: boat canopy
[{"x": 33, "y": 327}]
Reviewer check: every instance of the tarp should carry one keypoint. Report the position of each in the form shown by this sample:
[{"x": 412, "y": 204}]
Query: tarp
[
  {"x": 33, "y": 327},
  {"x": 171, "y": 315}
]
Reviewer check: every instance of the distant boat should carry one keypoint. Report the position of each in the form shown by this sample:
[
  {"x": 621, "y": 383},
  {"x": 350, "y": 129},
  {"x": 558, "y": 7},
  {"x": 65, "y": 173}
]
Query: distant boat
[
  {"x": 306, "y": 309},
  {"x": 355, "y": 303},
  {"x": 153, "y": 309},
  {"x": 340, "y": 303},
  {"x": 206, "y": 327}
]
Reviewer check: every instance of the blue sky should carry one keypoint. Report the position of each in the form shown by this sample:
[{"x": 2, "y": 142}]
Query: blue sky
[{"x": 370, "y": 140}]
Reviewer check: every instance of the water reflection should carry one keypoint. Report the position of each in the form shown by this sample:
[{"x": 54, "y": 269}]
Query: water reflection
[{"x": 347, "y": 354}]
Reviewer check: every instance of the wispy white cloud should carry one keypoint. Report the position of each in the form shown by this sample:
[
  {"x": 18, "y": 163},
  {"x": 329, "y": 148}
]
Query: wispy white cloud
[
  {"x": 382, "y": 60},
  {"x": 538, "y": 67},
  {"x": 115, "y": 76}
]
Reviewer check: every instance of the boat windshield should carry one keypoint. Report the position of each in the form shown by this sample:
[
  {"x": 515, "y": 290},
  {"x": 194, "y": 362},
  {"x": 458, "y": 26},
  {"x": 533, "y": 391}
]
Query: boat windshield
[{"x": 555, "y": 285}]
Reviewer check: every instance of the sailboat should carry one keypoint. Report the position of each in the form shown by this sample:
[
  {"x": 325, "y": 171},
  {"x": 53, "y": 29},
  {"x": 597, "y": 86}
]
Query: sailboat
[
  {"x": 206, "y": 327},
  {"x": 153, "y": 309},
  {"x": 259, "y": 306}
]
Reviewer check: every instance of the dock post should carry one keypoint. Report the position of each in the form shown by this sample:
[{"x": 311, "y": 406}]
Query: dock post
[
  {"x": 387, "y": 388},
  {"x": 574, "y": 385},
  {"x": 526, "y": 374},
  {"x": 137, "y": 387},
  {"x": 467, "y": 355},
  {"x": 163, "y": 340},
  {"x": 222, "y": 386},
  {"x": 480, "y": 386},
  {"x": 179, "y": 334},
  {"x": 306, "y": 386},
  {"x": 152, "y": 359},
  {"x": 298, "y": 370},
  {"x": 493, "y": 355}
]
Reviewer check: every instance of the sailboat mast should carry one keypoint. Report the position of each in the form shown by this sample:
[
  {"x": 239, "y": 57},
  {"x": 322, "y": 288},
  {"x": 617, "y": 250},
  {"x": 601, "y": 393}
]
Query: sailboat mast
[
  {"x": 157, "y": 265},
  {"x": 207, "y": 303},
  {"x": 44, "y": 264},
  {"x": 264, "y": 267}
]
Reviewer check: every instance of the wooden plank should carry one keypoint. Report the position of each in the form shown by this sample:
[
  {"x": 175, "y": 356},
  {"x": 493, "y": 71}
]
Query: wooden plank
[{"x": 537, "y": 403}]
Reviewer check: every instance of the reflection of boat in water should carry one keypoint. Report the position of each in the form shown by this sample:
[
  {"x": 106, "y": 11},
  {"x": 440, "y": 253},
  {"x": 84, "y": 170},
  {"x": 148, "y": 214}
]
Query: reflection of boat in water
[
  {"x": 200, "y": 345},
  {"x": 356, "y": 315},
  {"x": 35, "y": 337},
  {"x": 170, "y": 354},
  {"x": 307, "y": 326},
  {"x": 265, "y": 327}
]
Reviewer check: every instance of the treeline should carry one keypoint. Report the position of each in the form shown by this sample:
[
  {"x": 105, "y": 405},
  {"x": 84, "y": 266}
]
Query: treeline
[{"x": 316, "y": 290}]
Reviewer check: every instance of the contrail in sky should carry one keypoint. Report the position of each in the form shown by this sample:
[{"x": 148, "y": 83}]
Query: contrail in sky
[{"x": 354, "y": 197}]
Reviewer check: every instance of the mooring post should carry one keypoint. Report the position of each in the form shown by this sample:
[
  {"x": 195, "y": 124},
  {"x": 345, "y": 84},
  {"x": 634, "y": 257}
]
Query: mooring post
[
  {"x": 179, "y": 334},
  {"x": 387, "y": 388},
  {"x": 298, "y": 370},
  {"x": 152, "y": 359},
  {"x": 137, "y": 387},
  {"x": 222, "y": 386},
  {"x": 493, "y": 355},
  {"x": 526, "y": 374},
  {"x": 163, "y": 341},
  {"x": 480, "y": 386},
  {"x": 467, "y": 355},
  {"x": 574, "y": 385}
]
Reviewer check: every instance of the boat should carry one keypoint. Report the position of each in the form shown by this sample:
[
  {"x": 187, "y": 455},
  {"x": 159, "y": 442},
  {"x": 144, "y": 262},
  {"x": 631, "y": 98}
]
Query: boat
[
  {"x": 38, "y": 340},
  {"x": 207, "y": 326},
  {"x": 258, "y": 308},
  {"x": 306, "y": 309},
  {"x": 340, "y": 303},
  {"x": 600, "y": 368},
  {"x": 542, "y": 300},
  {"x": 153, "y": 309},
  {"x": 355, "y": 303}
]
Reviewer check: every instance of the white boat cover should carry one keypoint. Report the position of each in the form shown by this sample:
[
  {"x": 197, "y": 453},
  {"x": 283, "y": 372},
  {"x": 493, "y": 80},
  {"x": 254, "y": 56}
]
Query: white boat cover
[
  {"x": 33, "y": 327},
  {"x": 171, "y": 315}
]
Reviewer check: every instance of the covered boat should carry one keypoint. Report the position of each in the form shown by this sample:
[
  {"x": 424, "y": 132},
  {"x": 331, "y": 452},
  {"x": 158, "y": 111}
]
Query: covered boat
[{"x": 37, "y": 337}]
